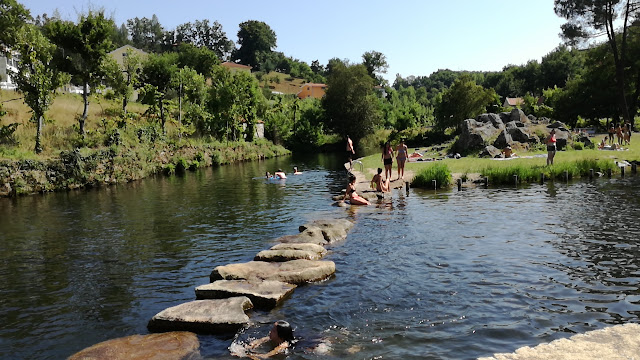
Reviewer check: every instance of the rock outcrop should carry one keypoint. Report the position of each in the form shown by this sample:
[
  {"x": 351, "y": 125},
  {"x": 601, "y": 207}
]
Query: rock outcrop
[
  {"x": 224, "y": 316},
  {"x": 167, "y": 346},
  {"x": 263, "y": 294}
]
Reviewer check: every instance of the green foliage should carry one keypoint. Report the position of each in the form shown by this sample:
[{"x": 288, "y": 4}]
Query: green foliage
[
  {"x": 200, "y": 59},
  {"x": 204, "y": 35},
  {"x": 6, "y": 133},
  {"x": 169, "y": 169},
  {"x": 464, "y": 100},
  {"x": 504, "y": 175},
  {"x": 254, "y": 37},
  {"x": 350, "y": 106},
  {"x": 376, "y": 64},
  {"x": 577, "y": 145},
  {"x": 438, "y": 172},
  {"x": 146, "y": 34},
  {"x": 13, "y": 16}
]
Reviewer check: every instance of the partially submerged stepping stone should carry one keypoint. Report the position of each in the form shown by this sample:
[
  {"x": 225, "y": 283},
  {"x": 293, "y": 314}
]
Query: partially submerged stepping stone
[
  {"x": 332, "y": 229},
  {"x": 263, "y": 294},
  {"x": 223, "y": 316},
  {"x": 308, "y": 236},
  {"x": 166, "y": 346},
  {"x": 292, "y": 272},
  {"x": 292, "y": 251}
]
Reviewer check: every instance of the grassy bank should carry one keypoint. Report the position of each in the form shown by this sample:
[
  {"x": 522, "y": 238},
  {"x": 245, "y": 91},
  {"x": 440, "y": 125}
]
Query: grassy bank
[{"x": 577, "y": 163}]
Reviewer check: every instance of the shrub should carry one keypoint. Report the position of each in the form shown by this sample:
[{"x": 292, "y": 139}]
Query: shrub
[
  {"x": 181, "y": 165},
  {"x": 7, "y": 134},
  {"x": 194, "y": 165},
  {"x": 438, "y": 172},
  {"x": 578, "y": 145},
  {"x": 169, "y": 169}
]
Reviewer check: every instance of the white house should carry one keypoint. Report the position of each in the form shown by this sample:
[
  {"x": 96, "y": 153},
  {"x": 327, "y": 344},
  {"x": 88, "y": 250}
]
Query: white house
[{"x": 8, "y": 66}]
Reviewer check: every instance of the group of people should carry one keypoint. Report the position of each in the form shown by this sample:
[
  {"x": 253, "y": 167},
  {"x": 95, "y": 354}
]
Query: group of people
[
  {"x": 401, "y": 153},
  {"x": 622, "y": 132},
  {"x": 281, "y": 174}
]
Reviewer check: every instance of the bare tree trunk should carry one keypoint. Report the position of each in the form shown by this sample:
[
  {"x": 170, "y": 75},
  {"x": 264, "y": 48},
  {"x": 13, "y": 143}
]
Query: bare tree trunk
[
  {"x": 85, "y": 113},
  {"x": 38, "y": 148},
  {"x": 162, "y": 115}
]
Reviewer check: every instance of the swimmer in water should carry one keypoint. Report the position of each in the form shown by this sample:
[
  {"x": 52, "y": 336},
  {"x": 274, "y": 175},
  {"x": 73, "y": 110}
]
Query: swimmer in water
[
  {"x": 280, "y": 337},
  {"x": 295, "y": 171},
  {"x": 279, "y": 174}
]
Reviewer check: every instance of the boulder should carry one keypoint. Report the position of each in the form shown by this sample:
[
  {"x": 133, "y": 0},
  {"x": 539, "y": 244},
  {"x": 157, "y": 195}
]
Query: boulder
[
  {"x": 224, "y": 316},
  {"x": 306, "y": 247},
  {"x": 558, "y": 125},
  {"x": 562, "y": 138},
  {"x": 519, "y": 116},
  {"x": 263, "y": 294},
  {"x": 490, "y": 151},
  {"x": 308, "y": 236},
  {"x": 293, "y": 272},
  {"x": 585, "y": 140},
  {"x": 166, "y": 346},
  {"x": 505, "y": 117},
  {"x": 503, "y": 140},
  {"x": 475, "y": 135},
  {"x": 521, "y": 134},
  {"x": 332, "y": 229},
  {"x": 494, "y": 119}
]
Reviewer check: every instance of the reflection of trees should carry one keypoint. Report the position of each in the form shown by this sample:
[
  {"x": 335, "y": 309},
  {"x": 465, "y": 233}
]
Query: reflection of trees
[{"x": 599, "y": 236}]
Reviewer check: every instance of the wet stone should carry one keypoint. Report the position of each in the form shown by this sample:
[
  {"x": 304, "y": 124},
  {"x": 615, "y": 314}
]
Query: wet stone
[
  {"x": 331, "y": 229},
  {"x": 292, "y": 272},
  {"x": 224, "y": 316},
  {"x": 292, "y": 251},
  {"x": 167, "y": 346},
  {"x": 263, "y": 294}
]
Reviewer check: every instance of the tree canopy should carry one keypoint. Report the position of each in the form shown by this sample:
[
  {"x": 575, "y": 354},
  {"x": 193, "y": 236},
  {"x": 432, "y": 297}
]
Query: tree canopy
[{"x": 254, "y": 37}]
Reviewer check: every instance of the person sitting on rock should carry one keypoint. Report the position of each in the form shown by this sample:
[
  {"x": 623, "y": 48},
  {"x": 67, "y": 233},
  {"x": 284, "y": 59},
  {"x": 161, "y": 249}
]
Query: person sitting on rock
[
  {"x": 280, "y": 336},
  {"x": 508, "y": 152},
  {"x": 379, "y": 183}
]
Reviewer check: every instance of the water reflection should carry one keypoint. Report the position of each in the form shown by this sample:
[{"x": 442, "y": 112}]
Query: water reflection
[{"x": 435, "y": 275}]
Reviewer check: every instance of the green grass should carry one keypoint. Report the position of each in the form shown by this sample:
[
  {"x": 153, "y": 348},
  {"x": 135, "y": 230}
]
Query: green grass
[{"x": 436, "y": 171}]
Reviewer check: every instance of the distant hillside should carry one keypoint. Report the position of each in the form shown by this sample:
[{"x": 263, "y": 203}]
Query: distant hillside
[{"x": 283, "y": 83}]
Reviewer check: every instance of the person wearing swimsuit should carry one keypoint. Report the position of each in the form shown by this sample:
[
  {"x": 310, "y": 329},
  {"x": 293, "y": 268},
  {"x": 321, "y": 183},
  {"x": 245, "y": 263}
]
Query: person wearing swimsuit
[
  {"x": 551, "y": 147},
  {"x": 401, "y": 157},
  {"x": 351, "y": 194},
  {"x": 387, "y": 159}
]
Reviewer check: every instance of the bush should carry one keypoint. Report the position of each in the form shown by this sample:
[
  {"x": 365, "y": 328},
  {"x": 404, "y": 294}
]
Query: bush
[
  {"x": 169, "y": 169},
  {"x": 7, "y": 134},
  {"x": 438, "y": 172},
  {"x": 578, "y": 145}
]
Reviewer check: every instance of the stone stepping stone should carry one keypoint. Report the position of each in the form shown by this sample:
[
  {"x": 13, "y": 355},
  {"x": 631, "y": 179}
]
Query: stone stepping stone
[
  {"x": 166, "y": 346},
  {"x": 263, "y": 294},
  {"x": 309, "y": 236},
  {"x": 332, "y": 229},
  {"x": 293, "y": 272},
  {"x": 292, "y": 251},
  {"x": 222, "y": 316}
]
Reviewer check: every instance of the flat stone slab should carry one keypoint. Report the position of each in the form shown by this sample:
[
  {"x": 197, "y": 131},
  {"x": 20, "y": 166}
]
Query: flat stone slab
[
  {"x": 222, "y": 316},
  {"x": 167, "y": 346},
  {"x": 332, "y": 229},
  {"x": 293, "y": 272},
  {"x": 292, "y": 251},
  {"x": 309, "y": 236},
  {"x": 263, "y": 294},
  {"x": 613, "y": 343}
]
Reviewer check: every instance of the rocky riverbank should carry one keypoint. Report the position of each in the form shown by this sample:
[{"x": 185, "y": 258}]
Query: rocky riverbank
[{"x": 85, "y": 168}]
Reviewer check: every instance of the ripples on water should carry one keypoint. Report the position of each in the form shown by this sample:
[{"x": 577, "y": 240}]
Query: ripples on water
[{"x": 444, "y": 276}]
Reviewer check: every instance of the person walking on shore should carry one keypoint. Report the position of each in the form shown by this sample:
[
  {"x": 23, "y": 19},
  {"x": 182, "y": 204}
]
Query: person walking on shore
[
  {"x": 401, "y": 157},
  {"x": 551, "y": 146},
  {"x": 350, "y": 151}
]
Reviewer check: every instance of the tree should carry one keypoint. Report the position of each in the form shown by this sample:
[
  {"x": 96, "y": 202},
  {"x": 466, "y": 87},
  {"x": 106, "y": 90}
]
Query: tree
[
  {"x": 349, "y": 103},
  {"x": 376, "y": 64},
  {"x": 147, "y": 34},
  {"x": 588, "y": 19},
  {"x": 558, "y": 66},
  {"x": 158, "y": 73},
  {"x": 124, "y": 79},
  {"x": 200, "y": 59},
  {"x": 13, "y": 16},
  {"x": 201, "y": 34},
  {"x": 254, "y": 37},
  {"x": 463, "y": 100},
  {"x": 82, "y": 50},
  {"x": 36, "y": 78}
]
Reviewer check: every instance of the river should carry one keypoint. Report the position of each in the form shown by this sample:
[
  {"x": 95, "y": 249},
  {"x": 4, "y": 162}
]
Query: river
[{"x": 446, "y": 275}]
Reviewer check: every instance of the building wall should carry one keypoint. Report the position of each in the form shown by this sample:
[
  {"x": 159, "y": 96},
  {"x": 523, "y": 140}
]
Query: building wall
[{"x": 312, "y": 90}]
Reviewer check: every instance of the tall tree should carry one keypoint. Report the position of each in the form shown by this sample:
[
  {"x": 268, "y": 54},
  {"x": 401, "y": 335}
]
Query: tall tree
[
  {"x": 200, "y": 59},
  {"x": 158, "y": 73},
  {"x": 82, "y": 50},
  {"x": 350, "y": 105},
  {"x": 147, "y": 34},
  {"x": 13, "y": 16},
  {"x": 376, "y": 64},
  {"x": 588, "y": 19},
  {"x": 36, "y": 78},
  {"x": 123, "y": 79},
  {"x": 254, "y": 37},
  {"x": 463, "y": 100},
  {"x": 202, "y": 34}
]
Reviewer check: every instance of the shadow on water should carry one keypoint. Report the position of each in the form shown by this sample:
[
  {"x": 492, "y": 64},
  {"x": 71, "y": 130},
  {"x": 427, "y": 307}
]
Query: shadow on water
[{"x": 429, "y": 275}]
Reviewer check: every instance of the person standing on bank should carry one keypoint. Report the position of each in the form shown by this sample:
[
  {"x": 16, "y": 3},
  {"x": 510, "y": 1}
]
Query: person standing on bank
[
  {"x": 551, "y": 146},
  {"x": 401, "y": 157},
  {"x": 350, "y": 151},
  {"x": 387, "y": 159}
]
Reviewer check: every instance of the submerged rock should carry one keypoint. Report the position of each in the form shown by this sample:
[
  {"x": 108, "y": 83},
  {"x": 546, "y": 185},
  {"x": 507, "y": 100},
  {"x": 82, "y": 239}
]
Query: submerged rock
[
  {"x": 263, "y": 294},
  {"x": 292, "y": 272},
  {"x": 224, "y": 316},
  {"x": 167, "y": 346}
]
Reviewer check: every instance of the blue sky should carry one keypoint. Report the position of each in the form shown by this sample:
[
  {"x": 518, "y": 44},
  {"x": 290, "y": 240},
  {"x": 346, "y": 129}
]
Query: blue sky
[{"x": 418, "y": 37}]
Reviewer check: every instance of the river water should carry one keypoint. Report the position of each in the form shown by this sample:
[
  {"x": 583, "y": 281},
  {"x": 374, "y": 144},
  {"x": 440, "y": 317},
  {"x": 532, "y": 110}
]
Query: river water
[{"x": 446, "y": 275}]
